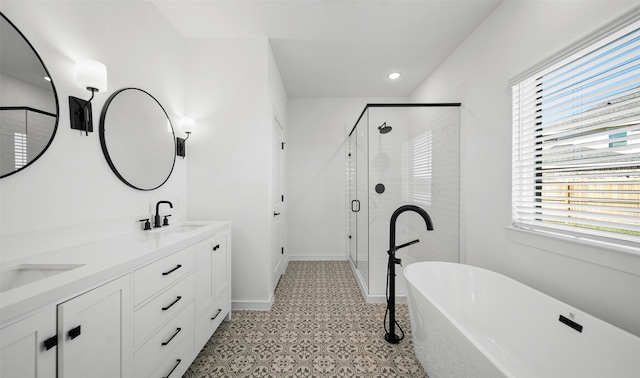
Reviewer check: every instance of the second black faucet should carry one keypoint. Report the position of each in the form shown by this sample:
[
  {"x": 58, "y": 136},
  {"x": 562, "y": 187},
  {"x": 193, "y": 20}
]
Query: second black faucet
[{"x": 156, "y": 219}]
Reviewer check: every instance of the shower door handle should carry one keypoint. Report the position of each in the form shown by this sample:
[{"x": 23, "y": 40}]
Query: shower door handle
[{"x": 355, "y": 208}]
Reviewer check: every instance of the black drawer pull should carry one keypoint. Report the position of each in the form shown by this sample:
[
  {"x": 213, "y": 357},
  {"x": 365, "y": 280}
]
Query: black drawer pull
[
  {"x": 74, "y": 332},
  {"x": 50, "y": 342},
  {"x": 171, "y": 338},
  {"x": 217, "y": 313},
  {"x": 172, "y": 270},
  {"x": 216, "y": 247},
  {"x": 174, "y": 368},
  {"x": 172, "y": 303},
  {"x": 570, "y": 323}
]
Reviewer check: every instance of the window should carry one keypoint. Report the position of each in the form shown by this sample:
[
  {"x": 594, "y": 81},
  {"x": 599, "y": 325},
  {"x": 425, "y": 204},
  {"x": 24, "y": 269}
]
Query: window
[{"x": 576, "y": 143}]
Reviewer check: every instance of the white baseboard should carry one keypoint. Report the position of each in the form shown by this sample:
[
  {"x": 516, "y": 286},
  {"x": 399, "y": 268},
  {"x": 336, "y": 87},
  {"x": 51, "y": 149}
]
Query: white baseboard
[
  {"x": 373, "y": 298},
  {"x": 380, "y": 298},
  {"x": 327, "y": 257},
  {"x": 252, "y": 305}
]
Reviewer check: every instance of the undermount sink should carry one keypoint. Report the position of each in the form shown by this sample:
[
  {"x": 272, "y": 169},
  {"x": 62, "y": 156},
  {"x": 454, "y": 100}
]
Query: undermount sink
[
  {"x": 181, "y": 227},
  {"x": 27, "y": 273},
  {"x": 184, "y": 227}
]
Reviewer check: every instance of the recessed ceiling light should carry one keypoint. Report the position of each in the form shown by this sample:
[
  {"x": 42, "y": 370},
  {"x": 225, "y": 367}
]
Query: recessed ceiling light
[
  {"x": 47, "y": 78},
  {"x": 394, "y": 75}
]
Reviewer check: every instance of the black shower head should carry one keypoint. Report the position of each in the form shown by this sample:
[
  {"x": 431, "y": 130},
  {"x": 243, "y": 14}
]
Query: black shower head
[{"x": 384, "y": 128}]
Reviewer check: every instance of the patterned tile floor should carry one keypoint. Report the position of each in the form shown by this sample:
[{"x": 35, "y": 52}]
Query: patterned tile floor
[{"x": 319, "y": 326}]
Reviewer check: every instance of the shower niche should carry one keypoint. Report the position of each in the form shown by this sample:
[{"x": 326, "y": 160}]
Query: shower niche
[{"x": 402, "y": 154}]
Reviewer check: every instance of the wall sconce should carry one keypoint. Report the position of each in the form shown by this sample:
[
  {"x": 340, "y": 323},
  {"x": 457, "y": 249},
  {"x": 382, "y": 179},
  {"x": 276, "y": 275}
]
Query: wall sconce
[
  {"x": 187, "y": 124},
  {"x": 92, "y": 75}
]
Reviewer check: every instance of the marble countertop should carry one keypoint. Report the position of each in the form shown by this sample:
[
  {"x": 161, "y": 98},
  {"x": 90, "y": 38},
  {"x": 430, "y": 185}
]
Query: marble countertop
[{"x": 100, "y": 261}]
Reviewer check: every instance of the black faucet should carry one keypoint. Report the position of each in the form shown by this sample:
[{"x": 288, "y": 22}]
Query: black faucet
[
  {"x": 156, "y": 219},
  {"x": 391, "y": 336},
  {"x": 394, "y": 217}
]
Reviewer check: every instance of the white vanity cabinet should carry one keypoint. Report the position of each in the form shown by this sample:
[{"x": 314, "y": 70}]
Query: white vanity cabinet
[
  {"x": 23, "y": 353},
  {"x": 137, "y": 306},
  {"x": 213, "y": 288},
  {"x": 95, "y": 332}
]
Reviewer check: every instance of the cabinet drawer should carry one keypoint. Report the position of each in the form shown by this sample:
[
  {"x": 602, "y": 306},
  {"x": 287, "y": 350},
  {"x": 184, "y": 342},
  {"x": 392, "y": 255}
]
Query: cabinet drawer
[
  {"x": 163, "y": 342},
  {"x": 177, "y": 361},
  {"x": 154, "y": 277},
  {"x": 162, "y": 308}
]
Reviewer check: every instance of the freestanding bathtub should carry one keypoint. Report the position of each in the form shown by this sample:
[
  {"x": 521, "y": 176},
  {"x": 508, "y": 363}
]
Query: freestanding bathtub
[{"x": 472, "y": 322}]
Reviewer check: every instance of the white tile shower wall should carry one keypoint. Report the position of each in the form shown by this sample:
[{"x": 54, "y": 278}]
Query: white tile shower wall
[
  {"x": 70, "y": 194},
  {"x": 511, "y": 40},
  {"x": 385, "y": 167}
]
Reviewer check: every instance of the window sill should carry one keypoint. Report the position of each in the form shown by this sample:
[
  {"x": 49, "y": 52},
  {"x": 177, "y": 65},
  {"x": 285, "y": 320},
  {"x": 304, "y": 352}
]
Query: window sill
[{"x": 619, "y": 257}]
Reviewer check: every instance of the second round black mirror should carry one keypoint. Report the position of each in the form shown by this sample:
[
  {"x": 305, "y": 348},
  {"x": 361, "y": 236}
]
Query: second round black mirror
[{"x": 137, "y": 139}]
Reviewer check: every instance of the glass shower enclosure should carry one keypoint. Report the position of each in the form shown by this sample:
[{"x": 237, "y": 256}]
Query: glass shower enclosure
[{"x": 402, "y": 154}]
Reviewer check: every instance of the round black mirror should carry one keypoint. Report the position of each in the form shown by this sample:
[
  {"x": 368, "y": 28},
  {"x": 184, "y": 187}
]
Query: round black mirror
[
  {"x": 137, "y": 139},
  {"x": 28, "y": 102}
]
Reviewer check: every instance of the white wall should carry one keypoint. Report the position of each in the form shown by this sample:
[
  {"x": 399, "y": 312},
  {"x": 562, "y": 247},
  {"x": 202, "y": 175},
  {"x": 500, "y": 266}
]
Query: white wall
[
  {"x": 70, "y": 194},
  {"x": 316, "y": 168},
  {"x": 518, "y": 35},
  {"x": 277, "y": 93},
  {"x": 233, "y": 91}
]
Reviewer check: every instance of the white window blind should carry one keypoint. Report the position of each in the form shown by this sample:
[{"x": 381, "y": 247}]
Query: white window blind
[
  {"x": 576, "y": 143},
  {"x": 20, "y": 150},
  {"x": 417, "y": 172}
]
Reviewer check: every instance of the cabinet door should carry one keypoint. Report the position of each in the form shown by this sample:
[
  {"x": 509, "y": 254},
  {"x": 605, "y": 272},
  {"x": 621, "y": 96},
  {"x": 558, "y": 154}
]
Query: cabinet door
[
  {"x": 23, "y": 353},
  {"x": 209, "y": 253},
  {"x": 96, "y": 333},
  {"x": 213, "y": 297},
  {"x": 204, "y": 274},
  {"x": 221, "y": 268}
]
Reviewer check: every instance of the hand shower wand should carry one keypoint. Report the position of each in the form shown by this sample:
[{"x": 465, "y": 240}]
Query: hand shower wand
[{"x": 390, "y": 335}]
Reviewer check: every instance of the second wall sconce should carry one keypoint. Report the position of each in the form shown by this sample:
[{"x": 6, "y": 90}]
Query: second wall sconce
[
  {"x": 187, "y": 124},
  {"x": 91, "y": 75}
]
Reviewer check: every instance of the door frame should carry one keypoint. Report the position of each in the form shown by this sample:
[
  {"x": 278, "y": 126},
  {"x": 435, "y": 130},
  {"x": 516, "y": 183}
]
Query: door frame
[{"x": 279, "y": 213}]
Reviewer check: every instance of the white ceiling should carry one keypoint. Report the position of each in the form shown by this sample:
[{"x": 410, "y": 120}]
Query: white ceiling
[
  {"x": 339, "y": 48},
  {"x": 18, "y": 59}
]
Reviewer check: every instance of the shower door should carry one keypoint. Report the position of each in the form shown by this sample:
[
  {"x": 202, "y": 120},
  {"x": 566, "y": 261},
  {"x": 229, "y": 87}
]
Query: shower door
[
  {"x": 358, "y": 176},
  {"x": 351, "y": 195},
  {"x": 362, "y": 215}
]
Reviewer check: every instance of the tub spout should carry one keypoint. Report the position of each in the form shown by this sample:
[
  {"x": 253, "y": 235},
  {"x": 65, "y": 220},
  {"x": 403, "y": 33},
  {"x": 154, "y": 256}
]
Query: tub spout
[
  {"x": 391, "y": 336},
  {"x": 394, "y": 218}
]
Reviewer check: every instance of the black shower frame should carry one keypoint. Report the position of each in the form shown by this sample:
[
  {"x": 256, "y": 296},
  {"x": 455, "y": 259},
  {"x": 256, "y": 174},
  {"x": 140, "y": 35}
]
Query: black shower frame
[{"x": 403, "y": 105}]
